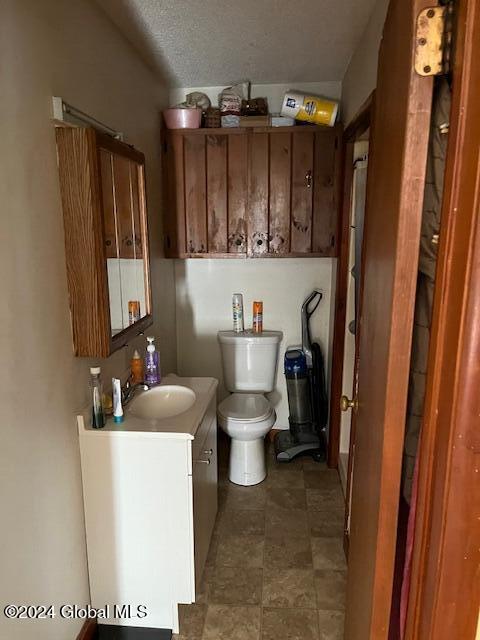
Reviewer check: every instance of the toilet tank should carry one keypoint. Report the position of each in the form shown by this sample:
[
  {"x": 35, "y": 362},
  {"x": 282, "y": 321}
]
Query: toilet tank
[{"x": 249, "y": 360}]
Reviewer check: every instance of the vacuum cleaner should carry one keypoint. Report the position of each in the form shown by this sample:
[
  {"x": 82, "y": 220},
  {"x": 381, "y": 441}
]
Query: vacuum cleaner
[{"x": 307, "y": 395}]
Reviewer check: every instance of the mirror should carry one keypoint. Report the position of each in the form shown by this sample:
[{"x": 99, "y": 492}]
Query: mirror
[{"x": 125, "y": 234}]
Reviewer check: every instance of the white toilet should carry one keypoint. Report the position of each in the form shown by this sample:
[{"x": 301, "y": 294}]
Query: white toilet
[{"x": 249, "y": 368}]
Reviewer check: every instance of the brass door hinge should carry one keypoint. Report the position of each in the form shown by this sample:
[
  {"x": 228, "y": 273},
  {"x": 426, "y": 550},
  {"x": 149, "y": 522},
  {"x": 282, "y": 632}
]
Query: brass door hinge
[{"x": 433, "y": 40}]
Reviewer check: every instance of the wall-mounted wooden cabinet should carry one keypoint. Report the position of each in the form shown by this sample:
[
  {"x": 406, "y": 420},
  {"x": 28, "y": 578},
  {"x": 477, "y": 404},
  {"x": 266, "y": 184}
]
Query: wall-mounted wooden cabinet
[
  {"x": 102, "y": 183},
  {"x": 252, "y": 192}
]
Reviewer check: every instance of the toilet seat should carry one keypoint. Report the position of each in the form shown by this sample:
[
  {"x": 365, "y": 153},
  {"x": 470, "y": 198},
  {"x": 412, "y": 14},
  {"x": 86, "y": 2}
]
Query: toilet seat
[{"x": 245, "y": 408}]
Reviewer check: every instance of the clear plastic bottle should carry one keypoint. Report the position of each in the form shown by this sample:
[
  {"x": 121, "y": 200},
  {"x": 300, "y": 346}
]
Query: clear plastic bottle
[
  {"x": 152, "y": 363},
  {"x": 96, "y": 387}
]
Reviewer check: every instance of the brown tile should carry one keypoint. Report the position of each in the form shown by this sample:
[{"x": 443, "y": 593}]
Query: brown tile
[
  {"x": 325, "y": 499},
  {"x": 287, "y": 498},
  {"x": 328, "y": 553},
  {"x": 212, "y": 550},
  {"x": 222, "y": 496},
  {"x": 309, "y": 464},
  {"x": 245, "y": 523},
  {"x": 321, "y": 478},
  {"x": 232, "y": 623},
  {"x": 239, "y": 498},
  {"x": 330, "y": 625},
  {"x": 288, "y": 553},
  {"x": 326, "y": 524},
  {"x": 289, "y": 624},
  {"x": 283, "y": 476},
  {"x": 286, "y": 522},
  {"x": 233, "y": 585},
  {"x": 240, "y": 551},
  {"x": 331, "y": 589},
  {"x": 192, "y": 618},
  {"x": 203, "y": 589},
  {"x": 289, "y": 588}
]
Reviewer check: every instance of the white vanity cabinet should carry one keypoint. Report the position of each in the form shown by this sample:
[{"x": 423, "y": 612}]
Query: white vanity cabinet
[{"x": 150, "y": 500}]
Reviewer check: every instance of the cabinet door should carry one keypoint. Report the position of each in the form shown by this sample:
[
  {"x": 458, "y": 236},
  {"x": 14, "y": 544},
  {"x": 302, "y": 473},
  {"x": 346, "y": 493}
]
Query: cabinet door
[
  {"x": 195, "y": 193},
  {"x": 280, "y": 172},
  {"x": 204, "y": 473},
  {"x": 302, "y": 192},
  {"x": 216, "y": 168},
  {"x": 326, "y": 195},
  {"x": 258, "y": 194},
  {"x": 174, "y": 185},
  {"x": 237, "y": 193}
]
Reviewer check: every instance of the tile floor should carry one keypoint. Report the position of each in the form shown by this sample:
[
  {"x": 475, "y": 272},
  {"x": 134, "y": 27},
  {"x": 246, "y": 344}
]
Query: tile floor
[{"x": 276, "y": 568}]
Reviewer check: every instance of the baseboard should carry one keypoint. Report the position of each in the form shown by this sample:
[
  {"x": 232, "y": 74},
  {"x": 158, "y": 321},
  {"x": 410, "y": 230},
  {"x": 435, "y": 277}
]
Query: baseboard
[
  {"x": 92, "y": 631},
  {"x": 88, "y": 631}
]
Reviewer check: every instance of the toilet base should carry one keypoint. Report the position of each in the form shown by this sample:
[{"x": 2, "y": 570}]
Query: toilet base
[{"x": 247, "y": 462}]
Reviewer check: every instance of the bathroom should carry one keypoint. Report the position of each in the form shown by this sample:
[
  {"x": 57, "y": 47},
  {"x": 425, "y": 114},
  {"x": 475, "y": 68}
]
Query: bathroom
[{"x": 273, "y": 553}]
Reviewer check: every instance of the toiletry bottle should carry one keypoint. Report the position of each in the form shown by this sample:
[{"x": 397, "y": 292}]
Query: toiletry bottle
[
  {"x": 237, "y": 308},
  {"x": 96, "y": 388},
  {"x": 152, "y": 363},
  {"x": 257, "y": 325},
  {"x": 117, "y": 400},
  {"x": 136, "y": 367}
]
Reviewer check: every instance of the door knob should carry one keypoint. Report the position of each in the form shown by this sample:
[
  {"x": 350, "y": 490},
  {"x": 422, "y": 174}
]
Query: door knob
[{"x": 346, "y": 403}]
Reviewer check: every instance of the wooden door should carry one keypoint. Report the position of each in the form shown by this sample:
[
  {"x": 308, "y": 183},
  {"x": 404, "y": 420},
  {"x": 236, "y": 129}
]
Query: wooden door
[{"x": 399, "y": 142}]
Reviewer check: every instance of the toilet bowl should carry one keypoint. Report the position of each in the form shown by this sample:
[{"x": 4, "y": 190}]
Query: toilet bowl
[
  {"x": 246, "y": 418},
  {"x": 249, "y": 366}
]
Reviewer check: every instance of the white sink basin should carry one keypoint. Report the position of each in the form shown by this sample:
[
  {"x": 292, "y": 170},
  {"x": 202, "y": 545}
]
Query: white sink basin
[{"x": 161, "y": 402}]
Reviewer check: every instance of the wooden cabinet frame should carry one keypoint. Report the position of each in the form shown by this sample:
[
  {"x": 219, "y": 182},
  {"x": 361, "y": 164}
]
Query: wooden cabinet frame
[
  {"x": 252, "y": 192},
  {"x": 85, "y": 249}
]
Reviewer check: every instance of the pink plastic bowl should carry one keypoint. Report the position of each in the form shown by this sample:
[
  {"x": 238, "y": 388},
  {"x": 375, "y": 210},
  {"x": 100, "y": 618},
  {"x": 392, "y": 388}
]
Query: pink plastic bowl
[{"x": 182, "y": 118}]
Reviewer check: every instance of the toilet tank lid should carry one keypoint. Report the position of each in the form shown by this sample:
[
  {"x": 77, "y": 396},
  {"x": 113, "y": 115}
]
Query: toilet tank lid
[{"x": 248, "y": 337}]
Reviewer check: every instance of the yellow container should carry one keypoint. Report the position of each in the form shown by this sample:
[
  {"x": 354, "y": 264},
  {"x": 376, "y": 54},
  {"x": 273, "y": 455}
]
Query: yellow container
[{"x": 309, "y": 108}]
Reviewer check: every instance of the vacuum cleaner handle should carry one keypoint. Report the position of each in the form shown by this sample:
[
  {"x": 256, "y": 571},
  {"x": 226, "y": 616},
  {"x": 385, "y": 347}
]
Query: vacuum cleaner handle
[{"x": 309, "y": 307}]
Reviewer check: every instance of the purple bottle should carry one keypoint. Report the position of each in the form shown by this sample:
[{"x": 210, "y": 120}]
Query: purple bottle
[{"x": 152, "y": 363}]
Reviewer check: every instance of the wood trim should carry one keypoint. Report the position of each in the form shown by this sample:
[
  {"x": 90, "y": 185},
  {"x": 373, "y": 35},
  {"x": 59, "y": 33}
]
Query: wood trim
[
  {"x": 445, "y": 583},
  {"x": 84, "y": 240},
  {"x": 354, "y": 130},
  {"x": 88, "y": 630},
  {"x": 236, "y": 131},
  {"x": 118, "y": 147},
  {"x": 79, "y": 152},
  {"x": 361, "y": 121}
]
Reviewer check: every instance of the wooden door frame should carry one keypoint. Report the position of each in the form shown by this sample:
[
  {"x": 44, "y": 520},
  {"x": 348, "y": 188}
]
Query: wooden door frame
[
  {"x": 360, "y": 123},
  {"x": 445, "y": 584}
]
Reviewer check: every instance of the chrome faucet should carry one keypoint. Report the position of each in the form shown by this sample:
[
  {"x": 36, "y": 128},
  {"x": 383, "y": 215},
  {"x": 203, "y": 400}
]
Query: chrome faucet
[{"x": 129, "y": 389}]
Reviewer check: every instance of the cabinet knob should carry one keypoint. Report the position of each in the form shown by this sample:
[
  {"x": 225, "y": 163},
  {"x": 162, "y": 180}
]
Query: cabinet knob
[
  {"x": 308, "y": 179},
  {"x": 204, "y": 461},
  {"x": 208, "y": 452}
]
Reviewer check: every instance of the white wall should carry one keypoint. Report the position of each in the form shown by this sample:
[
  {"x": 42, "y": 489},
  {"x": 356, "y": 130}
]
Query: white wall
[
  {"x": 361, "y": 76},
  {"x": 69, "y": 49},
  {"x": 204, "y": 306},
  {"x": 274, "y": 92}
]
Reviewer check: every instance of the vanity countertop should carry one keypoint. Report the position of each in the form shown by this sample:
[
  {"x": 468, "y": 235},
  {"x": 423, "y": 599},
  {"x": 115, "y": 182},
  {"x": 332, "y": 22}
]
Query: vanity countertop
[{"x": 183, "y": 425}]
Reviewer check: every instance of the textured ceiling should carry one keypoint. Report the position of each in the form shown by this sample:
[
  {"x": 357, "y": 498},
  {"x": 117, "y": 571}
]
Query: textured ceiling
[{"x": 219, "y": 42}]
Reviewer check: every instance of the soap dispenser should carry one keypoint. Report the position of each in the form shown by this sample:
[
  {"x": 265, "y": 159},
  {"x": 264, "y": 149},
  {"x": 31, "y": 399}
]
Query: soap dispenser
[{"x": 152, "y": 363}]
